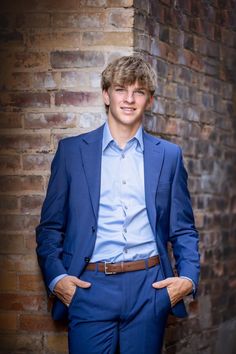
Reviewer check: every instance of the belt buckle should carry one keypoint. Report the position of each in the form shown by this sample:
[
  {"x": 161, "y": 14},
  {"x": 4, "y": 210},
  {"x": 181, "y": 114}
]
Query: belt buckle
[{"x": 106, "y": 271}]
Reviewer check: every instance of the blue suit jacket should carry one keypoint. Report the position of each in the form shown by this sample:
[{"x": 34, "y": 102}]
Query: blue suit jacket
[{"x": 67, "y": 230}]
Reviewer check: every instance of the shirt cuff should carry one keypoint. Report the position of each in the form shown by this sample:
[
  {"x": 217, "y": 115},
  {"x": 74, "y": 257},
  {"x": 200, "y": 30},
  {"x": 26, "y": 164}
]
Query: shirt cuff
[
  {"x": 194, "y": 286},
  {"x": 55, "y": 280}
]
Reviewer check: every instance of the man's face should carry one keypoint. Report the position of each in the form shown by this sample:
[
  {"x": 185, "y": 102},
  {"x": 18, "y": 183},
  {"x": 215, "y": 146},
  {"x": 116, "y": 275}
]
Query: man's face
[{"x": 127, "y": 104}]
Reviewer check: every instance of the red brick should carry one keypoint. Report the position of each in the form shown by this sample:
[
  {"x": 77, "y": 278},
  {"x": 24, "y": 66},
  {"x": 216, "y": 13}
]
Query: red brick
[
  {"x": 56, "y": 137},
  {"x": 18, "y": 223},
  {"x": 31, "y": 203},
  {"x": 83, "y": 99},
  {"x": 11, "y": 39},
  {"x": 172, "y": 127},
  {"x": 76, "y": 80},
  {"x": 42, "y": 5},
  {"x": 21, "y": 184},
  {"x": 95, "y": 80},
  {"x": 57, "y": 4},
  {"x": 21, "y": 343},
  {"x": 54, "y": 40},
  {"x": 176, "y": 37},
  {"x": 78, "y": 20},
  {"x": 196, "y": 25},
  {"x": 39, "y": 162},
  {"x": 25, "y": 142},
  {"x": 156, "y": 9},
  {"x": 36, "y": 323},
  {"x": 168, "y": 52},
  {"x": 9, "y": 203},
  {"x": 77, "y": 59},
  {"x": 18, "y": 81},
  {"x": 89, "y": 120},
  {"x": 29, "y": 60},
  {"x": 45, "y": 80},
  {"x": 50, "y": 120},
  {"x": 26, "y": 263},
  {"x": 124, "y": 39},
  {"x": 12, "y": 244},
  {"x": 227, "y": 37},
  {"x": 143, "y": 41},
  {"x": 10, "y": 120},
  {"x": 31, "y": 282},
  {"x": 57, "y": 343},
  {"x": 9, "y": 163},
  {"x": 120, "y": 3},
  {"x": 122, "y": 18},
  {"x": 26, "y": 100},
  {"x": 31, "y": 20},
  {"x": 30, "y": 100},
  {"x": 192, "y": 60},
  {"x": 30, "y": 240},
  {"x": 16, "y": 302},
  {"x": 8, "y": 280},
  {"x": 200, "y": 45},
  {"x": 8, "y": 321},
  {"x": 170, "y": 90},
  {"x": 96, "y": 3}
]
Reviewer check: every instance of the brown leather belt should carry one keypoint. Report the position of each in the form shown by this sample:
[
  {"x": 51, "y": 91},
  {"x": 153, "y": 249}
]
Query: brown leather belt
[{"x": 122, "y": 267}]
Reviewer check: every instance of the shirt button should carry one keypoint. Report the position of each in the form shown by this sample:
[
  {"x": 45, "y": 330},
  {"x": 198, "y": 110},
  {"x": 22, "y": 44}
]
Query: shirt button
[
  {"x": 123, "y": 155},
  {"x": 126, "y": 207},
  {"x": 125, "y": 230},
  {"x": 125, "y": 250},
  {"x": 123, "y": 182}
]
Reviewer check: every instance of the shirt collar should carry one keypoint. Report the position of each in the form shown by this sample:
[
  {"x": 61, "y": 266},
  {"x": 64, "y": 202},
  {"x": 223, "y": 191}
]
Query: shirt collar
[{"x": 107, "y": 137}]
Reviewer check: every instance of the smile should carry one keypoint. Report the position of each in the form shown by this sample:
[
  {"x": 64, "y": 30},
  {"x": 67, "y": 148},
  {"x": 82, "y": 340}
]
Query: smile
[{"x": 128, "y": 109}]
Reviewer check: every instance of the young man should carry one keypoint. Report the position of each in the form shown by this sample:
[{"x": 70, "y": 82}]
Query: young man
[{"x": 116, "y": 197}]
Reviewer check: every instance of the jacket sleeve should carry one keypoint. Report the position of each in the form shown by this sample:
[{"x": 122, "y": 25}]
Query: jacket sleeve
[
  {"x": 183, "y": 234},
  {"x": 51, "y": 230}
]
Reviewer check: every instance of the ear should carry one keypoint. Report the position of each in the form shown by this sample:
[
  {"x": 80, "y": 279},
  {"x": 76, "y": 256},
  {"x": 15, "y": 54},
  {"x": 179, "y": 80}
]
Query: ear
[{"x": 106, "y": 98}]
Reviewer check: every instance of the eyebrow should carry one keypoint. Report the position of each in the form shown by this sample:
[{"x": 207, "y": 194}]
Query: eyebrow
[{"x": 136, "y": 88}]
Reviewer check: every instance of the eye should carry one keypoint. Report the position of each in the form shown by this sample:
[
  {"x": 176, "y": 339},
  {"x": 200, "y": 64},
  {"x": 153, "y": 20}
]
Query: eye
[
  {"x": 140, "y": 92},
  {"x": 119, "y": 89}
]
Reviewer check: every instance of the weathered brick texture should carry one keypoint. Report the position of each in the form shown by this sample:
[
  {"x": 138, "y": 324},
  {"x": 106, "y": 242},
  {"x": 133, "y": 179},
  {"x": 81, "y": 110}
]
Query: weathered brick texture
[
  {"x": 52, "y": 53},
  {"x": 195, "y": 106}
]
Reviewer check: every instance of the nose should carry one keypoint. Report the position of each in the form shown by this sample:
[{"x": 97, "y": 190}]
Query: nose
[{"x": 129, "y": 97}]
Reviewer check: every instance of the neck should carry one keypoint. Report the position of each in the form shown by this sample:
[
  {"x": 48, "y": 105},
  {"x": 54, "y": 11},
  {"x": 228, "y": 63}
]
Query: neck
[{"x": 122, "y": 133}]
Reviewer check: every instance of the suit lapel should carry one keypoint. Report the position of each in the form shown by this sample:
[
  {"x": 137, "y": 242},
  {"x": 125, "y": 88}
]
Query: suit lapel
[
  {"x": 91, "y": 150},
  {"x": 153, "y": 160}
]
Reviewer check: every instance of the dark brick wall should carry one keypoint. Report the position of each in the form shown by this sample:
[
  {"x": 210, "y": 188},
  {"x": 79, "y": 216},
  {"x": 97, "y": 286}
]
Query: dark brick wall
[{"x": 192, "y": 45}]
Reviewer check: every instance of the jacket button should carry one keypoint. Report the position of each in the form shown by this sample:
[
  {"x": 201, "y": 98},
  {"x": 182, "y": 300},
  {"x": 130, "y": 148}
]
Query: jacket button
[
  {"x": 93, "y": 229},
  {"x": 86, "y": 259}
]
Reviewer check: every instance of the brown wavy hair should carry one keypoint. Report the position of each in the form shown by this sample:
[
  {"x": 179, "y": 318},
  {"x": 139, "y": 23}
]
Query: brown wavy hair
[{"x": 126, "y": 71}]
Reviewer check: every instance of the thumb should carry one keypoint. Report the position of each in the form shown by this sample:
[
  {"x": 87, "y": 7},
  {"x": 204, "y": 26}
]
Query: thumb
[
  {"x": 161, "y": 284},
  {"x": 82, "y": 283}
]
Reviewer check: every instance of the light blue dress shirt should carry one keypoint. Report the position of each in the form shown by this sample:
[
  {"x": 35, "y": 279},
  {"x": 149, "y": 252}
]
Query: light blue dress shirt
[{"x": 124, "y": 232}]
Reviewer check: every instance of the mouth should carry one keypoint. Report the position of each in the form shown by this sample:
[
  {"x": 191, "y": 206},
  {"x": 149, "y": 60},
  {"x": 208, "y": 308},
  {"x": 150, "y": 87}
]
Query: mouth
[{"x": 128, "y": 109}]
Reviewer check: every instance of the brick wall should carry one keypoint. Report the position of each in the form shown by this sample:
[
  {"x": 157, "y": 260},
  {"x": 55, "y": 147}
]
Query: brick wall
[
  {"x": 51, "y": 55},
  {"x": 192, "y": 45}
]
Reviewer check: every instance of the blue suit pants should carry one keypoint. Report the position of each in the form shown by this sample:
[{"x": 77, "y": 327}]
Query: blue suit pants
[{"x": 119, "y": 311}]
